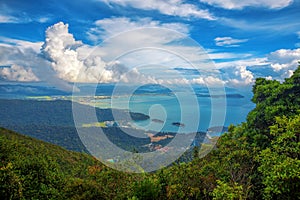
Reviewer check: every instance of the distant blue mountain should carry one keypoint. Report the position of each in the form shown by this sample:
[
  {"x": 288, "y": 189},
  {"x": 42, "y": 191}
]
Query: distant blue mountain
[
  {"x": 19, "y": 91},
  {"x": 112, "y": 89},
  {"x": 23, "y": 90},
  {"x": 238, "y": 96}
]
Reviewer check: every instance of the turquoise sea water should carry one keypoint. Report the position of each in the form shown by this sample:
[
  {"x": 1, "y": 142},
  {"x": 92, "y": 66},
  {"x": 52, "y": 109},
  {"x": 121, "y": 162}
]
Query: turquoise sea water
[{"x": 194, "y": 113}]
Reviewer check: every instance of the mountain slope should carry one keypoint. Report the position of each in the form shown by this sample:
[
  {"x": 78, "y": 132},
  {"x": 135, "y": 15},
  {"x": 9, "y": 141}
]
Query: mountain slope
[
  {"x": 52, "y": 121},
  {"x": 33, "y": 169}
]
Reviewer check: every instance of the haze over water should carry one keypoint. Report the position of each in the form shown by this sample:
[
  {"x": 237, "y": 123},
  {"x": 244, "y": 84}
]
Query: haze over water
[{"x": 165, "y": 109}]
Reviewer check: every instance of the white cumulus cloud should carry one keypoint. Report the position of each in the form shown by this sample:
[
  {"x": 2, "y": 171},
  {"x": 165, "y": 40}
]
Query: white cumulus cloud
[
  {"x": 241, "y": 76},
  {"x": 60, "y": 48},
  {"x": 269, "y": 78},
  {"x": 209, "y": 81},
  {"x": 240, "y": 4},
  {"x": 284, "y": 59},
  {"x": 18, "y": 73},
  {"x": 144, "y": 55},
  {"x": 245, "y": 75},
  {"x": 278, "y": 65},
  {"x": 64, "y": 53}
]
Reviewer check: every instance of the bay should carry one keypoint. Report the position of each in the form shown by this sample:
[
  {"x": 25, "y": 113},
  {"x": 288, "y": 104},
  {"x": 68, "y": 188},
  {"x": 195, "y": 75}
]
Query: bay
[{"x": 164, "y": 110}]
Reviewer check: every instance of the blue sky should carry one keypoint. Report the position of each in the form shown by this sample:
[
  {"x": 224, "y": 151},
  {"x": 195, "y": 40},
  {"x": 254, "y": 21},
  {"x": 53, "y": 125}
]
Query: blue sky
[{"x": 54, "y": 41}]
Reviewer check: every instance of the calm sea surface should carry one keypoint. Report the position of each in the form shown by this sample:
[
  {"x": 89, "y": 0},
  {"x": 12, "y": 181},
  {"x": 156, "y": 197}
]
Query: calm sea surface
[{"x": 192, "y": 112}]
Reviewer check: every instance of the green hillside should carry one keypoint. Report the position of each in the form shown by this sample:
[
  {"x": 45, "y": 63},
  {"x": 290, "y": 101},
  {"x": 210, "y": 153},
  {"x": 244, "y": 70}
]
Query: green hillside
[
  {"x": 52, "y": 121},
  {"x": 258, "y": 159},
  {"x": 33, "y": 169}
]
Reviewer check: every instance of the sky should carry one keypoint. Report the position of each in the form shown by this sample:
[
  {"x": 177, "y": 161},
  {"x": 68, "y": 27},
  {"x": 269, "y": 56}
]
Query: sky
[{"x": 228, "y": 42}]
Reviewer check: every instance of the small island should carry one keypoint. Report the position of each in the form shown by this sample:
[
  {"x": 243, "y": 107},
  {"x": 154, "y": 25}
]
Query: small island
[
  {"x": 158, "y": 121},
  {"x": 237, "y": 96},
  {"x": 178, "y": 124},
  {"x": 137, "y": 116}
]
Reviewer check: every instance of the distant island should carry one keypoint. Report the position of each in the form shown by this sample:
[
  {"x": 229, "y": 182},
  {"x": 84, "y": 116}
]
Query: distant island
[
  {"x": 237, "y": 96},
  {"x": 157, "y": 121},
  {"x": 178, "y": 124}
]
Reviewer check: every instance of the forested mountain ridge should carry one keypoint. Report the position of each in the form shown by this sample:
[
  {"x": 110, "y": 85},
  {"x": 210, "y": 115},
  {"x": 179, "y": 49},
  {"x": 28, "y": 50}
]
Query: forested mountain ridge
[
  {"x": 33, "y": 169},
  {"x": 258, "y": 159},
  {"x": 52, "y": 121}
]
